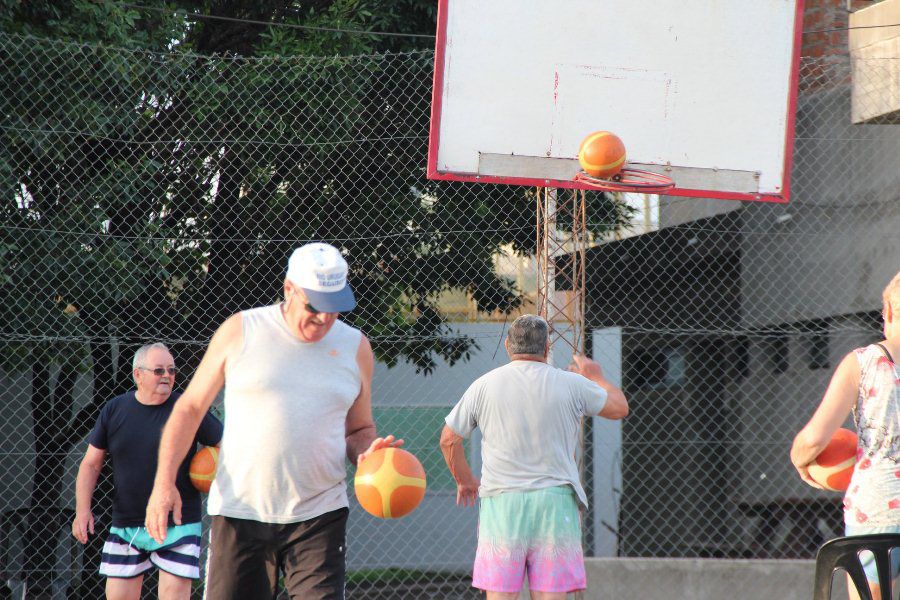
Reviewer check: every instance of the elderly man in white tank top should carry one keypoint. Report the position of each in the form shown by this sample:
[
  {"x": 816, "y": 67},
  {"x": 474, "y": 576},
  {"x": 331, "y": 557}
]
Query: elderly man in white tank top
[{"x": 297, "y": 402}]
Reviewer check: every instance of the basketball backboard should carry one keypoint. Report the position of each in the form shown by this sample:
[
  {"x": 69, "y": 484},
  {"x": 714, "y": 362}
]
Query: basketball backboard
[{"x": 703, "y": 91}]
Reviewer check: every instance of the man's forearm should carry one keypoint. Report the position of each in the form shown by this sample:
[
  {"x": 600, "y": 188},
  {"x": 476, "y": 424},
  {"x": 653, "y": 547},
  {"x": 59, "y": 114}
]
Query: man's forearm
[
  {"x": 85, "y": 484},
  {"x": 616, "y": 405},
  {"x": 359, "y": 441},
  {"x": 455, "y": 457},
  {"x": 600, "y": 380},
  {"x": 177, "y": 435}
]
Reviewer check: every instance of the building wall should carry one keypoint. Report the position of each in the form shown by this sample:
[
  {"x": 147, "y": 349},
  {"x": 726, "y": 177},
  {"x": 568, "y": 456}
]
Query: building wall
[
  {"x": 831, "y": 250},
  {"x": 809, "y": 273},
  {"x": 791, "y": 396},
  {"x": 816, "y": 267}
]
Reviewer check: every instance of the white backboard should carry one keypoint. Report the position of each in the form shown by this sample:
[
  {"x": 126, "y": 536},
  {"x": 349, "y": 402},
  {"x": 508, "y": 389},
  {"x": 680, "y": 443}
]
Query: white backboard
[{"x": 701, "y": 90}]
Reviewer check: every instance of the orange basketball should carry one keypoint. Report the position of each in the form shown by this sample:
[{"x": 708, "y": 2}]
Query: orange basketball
[
  {"x": 390, "y": 483},
  {"x": 833, "y": 467},
  {"x": 602, "y": 154},
  {"x": 203, "y": 467}
]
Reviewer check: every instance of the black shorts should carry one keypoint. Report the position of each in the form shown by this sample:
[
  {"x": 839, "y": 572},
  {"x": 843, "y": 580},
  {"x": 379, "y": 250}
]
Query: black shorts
[{"x": 245, "y": 557}]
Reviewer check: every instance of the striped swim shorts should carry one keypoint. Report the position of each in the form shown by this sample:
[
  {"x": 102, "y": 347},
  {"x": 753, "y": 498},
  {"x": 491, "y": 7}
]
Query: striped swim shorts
[
  {"x": 538, "y": 532},
  {"x": 130, "y": 551}
]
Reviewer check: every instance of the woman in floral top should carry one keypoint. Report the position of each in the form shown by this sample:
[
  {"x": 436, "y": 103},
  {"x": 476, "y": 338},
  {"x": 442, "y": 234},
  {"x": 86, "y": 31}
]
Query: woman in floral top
[{"x": 867, "y": 382}]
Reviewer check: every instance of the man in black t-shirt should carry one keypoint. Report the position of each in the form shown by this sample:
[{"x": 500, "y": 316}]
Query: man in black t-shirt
[{"x": 128, "y": 430}]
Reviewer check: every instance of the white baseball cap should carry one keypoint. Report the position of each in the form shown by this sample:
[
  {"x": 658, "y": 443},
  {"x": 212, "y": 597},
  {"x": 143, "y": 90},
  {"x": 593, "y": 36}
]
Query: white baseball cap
[{"x": 321, "y": 272}]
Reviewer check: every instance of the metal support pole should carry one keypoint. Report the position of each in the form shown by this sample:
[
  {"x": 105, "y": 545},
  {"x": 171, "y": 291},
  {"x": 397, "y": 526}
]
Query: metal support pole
[{"x": 560, "y": 257}]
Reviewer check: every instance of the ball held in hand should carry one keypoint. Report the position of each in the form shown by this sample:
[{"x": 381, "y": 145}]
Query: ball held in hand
[
  {"x": 390, "y": 483},
  {"x": 833, "y": 467}
]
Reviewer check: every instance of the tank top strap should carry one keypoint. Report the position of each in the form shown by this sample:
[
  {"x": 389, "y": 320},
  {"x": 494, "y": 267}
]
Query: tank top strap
[{"x": 886, "y": 352}]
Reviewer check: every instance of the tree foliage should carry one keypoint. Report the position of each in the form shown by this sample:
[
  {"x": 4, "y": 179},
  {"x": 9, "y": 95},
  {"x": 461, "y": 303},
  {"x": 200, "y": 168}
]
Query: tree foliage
[{"x": 138, "y": 173}]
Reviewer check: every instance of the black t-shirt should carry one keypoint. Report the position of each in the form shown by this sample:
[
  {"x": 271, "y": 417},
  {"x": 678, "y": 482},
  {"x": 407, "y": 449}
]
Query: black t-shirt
[{"x": 130, "y": 432}]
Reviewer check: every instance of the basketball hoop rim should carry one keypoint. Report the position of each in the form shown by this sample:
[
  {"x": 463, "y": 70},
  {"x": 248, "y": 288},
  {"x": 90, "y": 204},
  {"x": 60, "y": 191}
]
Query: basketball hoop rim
[{"x": 628, "y": 180}]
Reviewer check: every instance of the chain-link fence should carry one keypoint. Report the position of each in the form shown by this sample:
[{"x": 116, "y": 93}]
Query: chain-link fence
[{"x": 148, "y": 196}]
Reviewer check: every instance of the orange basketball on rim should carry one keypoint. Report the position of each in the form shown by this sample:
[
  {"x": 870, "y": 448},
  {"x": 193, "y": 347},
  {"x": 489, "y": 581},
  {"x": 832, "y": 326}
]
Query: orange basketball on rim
[
  {"x": 602, "y": 154},
  {"x": 833, "y": 467},
  {"x": 390, "y": 483},
  {"x": 203, "y": 467}
]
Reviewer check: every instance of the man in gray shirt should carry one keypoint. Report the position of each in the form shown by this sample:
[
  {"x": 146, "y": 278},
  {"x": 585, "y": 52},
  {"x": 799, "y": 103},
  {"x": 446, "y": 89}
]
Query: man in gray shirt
[{"x": 530, "y": 416}]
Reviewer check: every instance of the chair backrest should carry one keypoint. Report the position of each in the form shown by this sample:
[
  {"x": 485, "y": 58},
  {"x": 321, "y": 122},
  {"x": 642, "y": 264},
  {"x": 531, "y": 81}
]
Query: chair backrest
[{"x": 843, "y": 553}]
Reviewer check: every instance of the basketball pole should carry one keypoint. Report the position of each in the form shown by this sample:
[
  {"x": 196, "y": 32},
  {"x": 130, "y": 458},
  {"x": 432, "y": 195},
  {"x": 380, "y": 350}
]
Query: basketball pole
[
  {"x": 562, "y": 239},
  {"x": 561, "y": 275},
  {"x": 547, "y": 236}
]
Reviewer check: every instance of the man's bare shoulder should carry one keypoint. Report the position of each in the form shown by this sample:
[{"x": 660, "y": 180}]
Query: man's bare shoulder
[
  {"x": 364, "y": 344},
  {"x": 229, "y": 337},
  {"x": 365, "y": 356},
  {"x": 230, "y": 329},
  {"x": 233, "y": 324}
]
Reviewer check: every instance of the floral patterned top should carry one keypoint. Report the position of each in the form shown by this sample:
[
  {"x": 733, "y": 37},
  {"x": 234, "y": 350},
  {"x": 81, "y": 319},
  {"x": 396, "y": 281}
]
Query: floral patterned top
[{"x": 873, "y": 498}]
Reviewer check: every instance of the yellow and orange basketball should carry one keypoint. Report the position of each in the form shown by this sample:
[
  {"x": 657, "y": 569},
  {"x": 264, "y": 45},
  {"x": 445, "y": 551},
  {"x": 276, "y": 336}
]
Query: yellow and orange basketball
[
  {"x": 833, "y": 467},
  {"x": 390, "y": 483},
  {"x": 203, "y": 467},
  {"x": 602, "y": 154}
]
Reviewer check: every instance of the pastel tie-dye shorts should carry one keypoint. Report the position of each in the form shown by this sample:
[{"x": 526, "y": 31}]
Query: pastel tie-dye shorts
[{"x": 538, "y": 532}]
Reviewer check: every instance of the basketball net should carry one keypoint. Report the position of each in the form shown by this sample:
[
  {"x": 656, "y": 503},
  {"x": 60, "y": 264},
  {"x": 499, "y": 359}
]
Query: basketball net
[
  {"x": 563, "y": 237},
  {"x": 630, "y": 180}
]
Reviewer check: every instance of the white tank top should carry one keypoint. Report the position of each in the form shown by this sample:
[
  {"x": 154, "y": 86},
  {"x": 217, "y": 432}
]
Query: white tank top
[{"x": 286, "y": 401}]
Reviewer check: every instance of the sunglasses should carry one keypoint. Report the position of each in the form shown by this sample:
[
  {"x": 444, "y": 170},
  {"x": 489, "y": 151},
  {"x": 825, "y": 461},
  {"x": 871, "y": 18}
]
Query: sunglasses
[
  {"x": 159, "y": 371},
  {"x": 312, "y": 309}
]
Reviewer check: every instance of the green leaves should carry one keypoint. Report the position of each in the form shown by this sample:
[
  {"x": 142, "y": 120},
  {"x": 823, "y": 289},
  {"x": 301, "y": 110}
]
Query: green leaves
[{"x": 142, "y": 178}]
